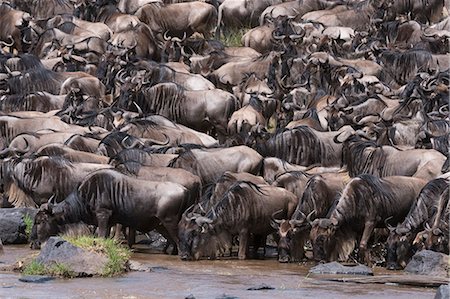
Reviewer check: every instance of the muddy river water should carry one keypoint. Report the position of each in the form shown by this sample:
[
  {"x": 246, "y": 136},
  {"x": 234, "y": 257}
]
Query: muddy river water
[{"x": 172, "y": 278}]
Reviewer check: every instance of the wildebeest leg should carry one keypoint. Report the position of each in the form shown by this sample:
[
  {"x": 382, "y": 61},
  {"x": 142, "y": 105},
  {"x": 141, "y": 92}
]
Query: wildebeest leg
[
  {"x": 243, "y": 244},
  {"x": 131, "y": 237},
  {"x": 363, "y": 252},
  {"x": 103, "y": 222},
  {"x": 170, "y": 239},
  {"x": 117, "y": 230},
  {"x": 297, "y": 250}
]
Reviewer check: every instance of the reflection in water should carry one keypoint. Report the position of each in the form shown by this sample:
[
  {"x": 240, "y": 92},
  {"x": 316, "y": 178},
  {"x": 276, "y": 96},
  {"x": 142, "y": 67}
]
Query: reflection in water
[{"x": 173, "y": 278}]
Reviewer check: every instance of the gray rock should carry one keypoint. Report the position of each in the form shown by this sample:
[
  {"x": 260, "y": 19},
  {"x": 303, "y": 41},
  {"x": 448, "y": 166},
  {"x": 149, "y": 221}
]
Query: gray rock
[
  {"x": 80, "y": 261},
  {"x": 35, "y": 278},
  {"x": 443, "y": 292},
  {"x": 261, "y": 287},
  {"x": 226, "y": 296},
  {"x": 336, "y": 268},
  {"x": 12, "y": 226},
  {"x": 427, "y": 262},
  {"x": 136, "y": 266}
]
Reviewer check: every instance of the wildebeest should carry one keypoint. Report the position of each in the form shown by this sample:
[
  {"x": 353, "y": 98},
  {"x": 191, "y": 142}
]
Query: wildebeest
[
  {"x": 436, "y": 236},
  {"x": 423, "y": 210},
  {"x": 211, "y": 195},
  {"x": 364, "y": 205},
  {"x": 362, "y": 156},
  {"x": 303, "y": 146},
  {"x": 210, "y": 164},
  {"x": 33, "y": 181},
  {"x": 107, "y": 197},
  {"x": 315, "y": 200},
  {"x": 200, "y": 110},
  {"x": 244, "y": 209},
  {"x": 178, "y": 18}
]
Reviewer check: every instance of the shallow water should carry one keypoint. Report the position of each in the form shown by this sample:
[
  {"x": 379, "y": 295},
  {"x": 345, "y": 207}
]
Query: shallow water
[{"x": 173, "y": 278}]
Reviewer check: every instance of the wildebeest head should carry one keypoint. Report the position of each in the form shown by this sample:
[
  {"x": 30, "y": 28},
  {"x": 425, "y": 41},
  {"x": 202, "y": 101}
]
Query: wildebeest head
[
  {"x": 290, "y": 232},
  {"x": 45, "y": 225},
  {"x": 399, "y": 250},
  {"x": 433, "y": 238},
  {"x": 323, "y": 238},
  {"x": 193, "y": 229}
]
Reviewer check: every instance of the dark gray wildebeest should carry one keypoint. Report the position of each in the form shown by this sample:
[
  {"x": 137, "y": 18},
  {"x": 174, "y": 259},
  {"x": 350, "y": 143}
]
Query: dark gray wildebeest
[
  {"x": 178, "y": 19},
  {"x": 362, "y": 156},
  {"x": 436, "y": 236},
  {"x": 108, "y": 197},
  {"x": 211, "y": 195},
  {"x": 31, "y": 182},
  {"x": 365, "y": 203},
  {"x": 244, "y": 209},
  {"x": 423, "y": 210},
  {"x": 315, "y": 201},
  {"x": 210, "y": 164}
]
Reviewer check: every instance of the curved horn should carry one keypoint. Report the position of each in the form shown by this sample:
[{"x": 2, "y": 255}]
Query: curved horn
[
  {"x": 437, "y": 231},
  {"x": 25, "y": 41},
  {"x": 52, "y": 199},
  {"x": 133, "y": 145},
  {"x": 6, "y": 44},
  {"x": 214, "y": 218},
  {"x": 308, "y": 218},
  {"x": 183, "y": 53},
  {"x": 277, "y": 37},
  {"x": 277, "y": 221},
  {"x": 165, "y": 142},
  {"x": 166, "y": 37},
  {"x": 188, "y": 210},
  {"x": 427, "y": 227},
  {"x": 178, "y": 40},
  {"x": 388, "y": 225},
  {"x": 441, "y": 109},
  {"x": 120, "y": 74},
  {"x": 141, "y": 113},
  {"x": 297, "y": 36}
]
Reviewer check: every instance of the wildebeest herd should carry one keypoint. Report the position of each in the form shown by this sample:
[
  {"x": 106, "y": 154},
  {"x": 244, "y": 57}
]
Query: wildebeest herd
[{"x": 329, "y": 128}]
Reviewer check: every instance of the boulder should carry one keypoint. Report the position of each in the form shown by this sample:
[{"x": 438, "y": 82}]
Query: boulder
[
  {"x": 337, "y": 268},
  {"x": 81, "y": 262},
  {"x": 261, "y": 287},
  {"x": 427, "y": 262},
  {"x": 139, "y": 267},
  {"x": 35, "y": 278},
  {"x": 12, "y": 225},
  {"x": 443, "y": 292}
]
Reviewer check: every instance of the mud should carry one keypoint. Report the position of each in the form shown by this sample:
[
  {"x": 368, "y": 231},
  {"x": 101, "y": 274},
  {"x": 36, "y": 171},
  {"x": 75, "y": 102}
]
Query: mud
[{"x": 172, "y": 278}]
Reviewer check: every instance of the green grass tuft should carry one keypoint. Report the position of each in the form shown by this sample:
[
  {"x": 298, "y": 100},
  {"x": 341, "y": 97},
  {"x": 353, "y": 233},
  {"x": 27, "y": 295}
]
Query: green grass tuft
[
  {"x": 28, "y": 224},
  {"x": 34, "y": 268},
  {"x": 233, "y": 38},
  {"x": 58, "y": 269},
  {"x": 63, "y": 270},
  {"x": 117, "y": 254}
]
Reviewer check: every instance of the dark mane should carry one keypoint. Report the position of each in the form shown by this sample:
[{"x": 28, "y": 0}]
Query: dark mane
[
  {"x": 132, "y": 155},
  {"x": 186, "y": 156},
  {"x": 317, "y": 197},
  {"x": 299, "y": 146},
  {"x": 364, "y": 195},
  {"x": 36, "y": 80},
  {"x": 74, "y": 208},
  {"x": 424, "y": 207},
  {"x": 363, "y": 157},
  {"x": 24, "y": 62},
  {"x": 235, "y": 205}
]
